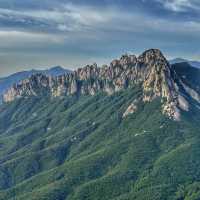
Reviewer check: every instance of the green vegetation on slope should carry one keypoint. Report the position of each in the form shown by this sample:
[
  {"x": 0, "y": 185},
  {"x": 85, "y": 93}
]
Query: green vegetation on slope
[{"x": 80, "y": 148}]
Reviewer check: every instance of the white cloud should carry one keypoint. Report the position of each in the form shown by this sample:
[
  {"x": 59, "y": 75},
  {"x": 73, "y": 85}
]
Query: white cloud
[
  {"x": 82, "y": 29},
  {"x": 68, "y": 18},
  {"x": 77, "y": 23},
  {"x": 84, "y": 21},
  {"x": 13, "y": 39},
  {"x": 180, "y": 5},
  {"x": 63, "y": 27}
]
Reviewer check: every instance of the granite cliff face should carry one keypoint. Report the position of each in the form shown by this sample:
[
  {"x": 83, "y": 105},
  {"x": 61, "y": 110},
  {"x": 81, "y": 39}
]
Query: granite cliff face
[{"x": 150, "y": 70}]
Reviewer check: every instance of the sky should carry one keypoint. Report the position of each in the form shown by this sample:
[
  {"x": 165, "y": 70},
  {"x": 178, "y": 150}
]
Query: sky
[{"x": 40, "y": 34}]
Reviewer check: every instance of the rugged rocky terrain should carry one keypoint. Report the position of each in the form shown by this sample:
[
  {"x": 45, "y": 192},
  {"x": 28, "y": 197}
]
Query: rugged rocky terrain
[
  {"x": 7, "y": 82},
  {"x": 150, "y": 70}
]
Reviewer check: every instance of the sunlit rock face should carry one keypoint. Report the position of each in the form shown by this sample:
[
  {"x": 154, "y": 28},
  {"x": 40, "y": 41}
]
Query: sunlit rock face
[{"x": 151, "y": 70}]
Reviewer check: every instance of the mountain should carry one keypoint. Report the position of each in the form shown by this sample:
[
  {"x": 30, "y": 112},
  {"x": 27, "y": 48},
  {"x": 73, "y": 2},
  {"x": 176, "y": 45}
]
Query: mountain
[
  {"x": 119, "y": 132},
  {"x": 151, "y": 70},
  {"x": 177, "y": 60},
  {"x": 195, "y": 63},
  {"x": 180, "y": 60},
  {"x": 7, "y": 82}
]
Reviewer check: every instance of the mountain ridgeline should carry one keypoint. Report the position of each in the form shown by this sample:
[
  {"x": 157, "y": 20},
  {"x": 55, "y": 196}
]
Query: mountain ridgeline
[
  {"x": 127, "y": 131},
  {"x": 150, "y": 70},
  {"x": 7, "y": 82}
]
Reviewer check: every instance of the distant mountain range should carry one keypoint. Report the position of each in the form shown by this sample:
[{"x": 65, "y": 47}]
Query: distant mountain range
[
  {"x": 7, "y": 82},
  {"x": 181, "y": 60}
]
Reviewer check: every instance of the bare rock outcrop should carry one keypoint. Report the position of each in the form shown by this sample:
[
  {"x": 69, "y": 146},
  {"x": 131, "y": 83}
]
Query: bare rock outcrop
[{"x": 151, "y": 70}]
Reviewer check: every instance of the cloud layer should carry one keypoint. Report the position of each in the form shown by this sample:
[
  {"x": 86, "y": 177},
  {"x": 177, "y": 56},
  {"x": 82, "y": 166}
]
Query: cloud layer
[
  {"x": 87, "y": 31},
  {"x": 180, "y": 5}
]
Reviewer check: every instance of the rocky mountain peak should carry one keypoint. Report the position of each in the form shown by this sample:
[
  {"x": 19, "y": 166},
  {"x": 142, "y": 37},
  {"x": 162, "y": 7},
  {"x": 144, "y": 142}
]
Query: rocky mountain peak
[
  {"x": 151, "y": 55},
  {"x": 151, "y": 70}
]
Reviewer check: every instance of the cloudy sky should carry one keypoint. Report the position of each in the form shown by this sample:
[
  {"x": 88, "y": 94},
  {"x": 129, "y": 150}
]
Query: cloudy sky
[{"x": 39, "y": 34}]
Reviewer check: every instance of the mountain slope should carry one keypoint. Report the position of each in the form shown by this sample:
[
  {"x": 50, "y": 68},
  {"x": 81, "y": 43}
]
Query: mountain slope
[
  {"x": 150, "y": 70},
  {"x": 7, "y": 82},
  {"x": 181, "y": 60},
  {"x": 80, "y": 146}
]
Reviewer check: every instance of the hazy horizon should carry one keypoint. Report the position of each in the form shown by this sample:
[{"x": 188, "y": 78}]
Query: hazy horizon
[{"x": 42, "y": 67}]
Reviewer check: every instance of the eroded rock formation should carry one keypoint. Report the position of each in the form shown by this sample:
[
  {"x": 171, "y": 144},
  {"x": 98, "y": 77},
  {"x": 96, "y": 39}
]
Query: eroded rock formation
[{"x": 151, "y": 70}]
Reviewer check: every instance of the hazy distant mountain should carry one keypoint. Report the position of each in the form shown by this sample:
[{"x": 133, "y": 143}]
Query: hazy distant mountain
[
  {"x": 195, "y": 63},
  {"x": 8, "y": 81},
  {"x": 177, "y": 60},
  {"x": 181, "y": 60}
]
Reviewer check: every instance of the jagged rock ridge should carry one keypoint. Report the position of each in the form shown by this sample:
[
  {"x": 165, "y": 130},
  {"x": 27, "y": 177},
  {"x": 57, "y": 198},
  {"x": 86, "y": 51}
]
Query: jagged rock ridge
[{"x": 151, "y": 70}]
